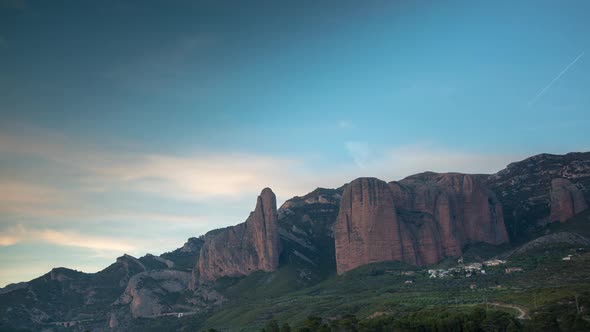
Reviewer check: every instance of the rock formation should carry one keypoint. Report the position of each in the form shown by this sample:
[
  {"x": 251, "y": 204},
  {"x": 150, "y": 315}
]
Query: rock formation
[
  {"x": 567, "y": 200},
  {"x": 306, "y": 234},
  {"x": 418, "y": 220},
  {"x": 145, "y": 290},
  {"x": 367, "y": 229},
  {"x": 242, "y": 249},
  {"x": 524, "y": 188},
  {"x": 465, "y": 209}
]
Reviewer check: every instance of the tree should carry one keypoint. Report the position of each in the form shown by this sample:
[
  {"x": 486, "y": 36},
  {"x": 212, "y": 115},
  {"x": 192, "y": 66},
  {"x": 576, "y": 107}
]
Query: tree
[
  {"x": 272, "y": 326},
  {"x": 285, "y": 327}
]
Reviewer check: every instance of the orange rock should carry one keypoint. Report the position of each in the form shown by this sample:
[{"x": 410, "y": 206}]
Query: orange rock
[
  {"x": 418, "y": 220},
  {"x": 242, "y": 249},
  {"x": 566, "y": 200}
]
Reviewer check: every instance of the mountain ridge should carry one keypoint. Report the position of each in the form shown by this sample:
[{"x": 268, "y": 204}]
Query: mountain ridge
[{"x": 304, "y": 236}]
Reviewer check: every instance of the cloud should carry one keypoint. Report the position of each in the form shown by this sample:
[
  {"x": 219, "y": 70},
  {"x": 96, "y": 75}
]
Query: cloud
[
  {"x": 17, "y": 193},
  {"x": 359, "y": 151},
  {"x": 205, "y": 175},
  {"x": 208, "y": 175},
  {"x": 20, "y": 233}
]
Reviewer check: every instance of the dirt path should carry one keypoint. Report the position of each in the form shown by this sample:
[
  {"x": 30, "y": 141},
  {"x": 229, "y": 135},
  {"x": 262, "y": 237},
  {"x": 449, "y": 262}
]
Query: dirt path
[
  {"x": 522, "y": 311},
  {"x": 183, "y": 314}
]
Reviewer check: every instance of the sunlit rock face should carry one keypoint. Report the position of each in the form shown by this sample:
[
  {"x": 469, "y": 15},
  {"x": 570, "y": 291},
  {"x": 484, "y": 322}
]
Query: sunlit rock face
[
  {"x": 567, "y": 200},
  {"x": 367, "y": 229},
  {"x": 418, "y": 220},
  {"x": 242, "y": 249}
]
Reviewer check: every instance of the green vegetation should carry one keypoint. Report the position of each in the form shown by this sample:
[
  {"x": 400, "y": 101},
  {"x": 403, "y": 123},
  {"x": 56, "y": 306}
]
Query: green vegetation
[
  {"x": 440, "y": 319},
  {"x": 379, "y": 293}
]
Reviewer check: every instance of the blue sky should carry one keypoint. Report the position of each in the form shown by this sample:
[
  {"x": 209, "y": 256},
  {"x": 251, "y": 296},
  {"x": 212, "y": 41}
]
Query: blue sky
[{"x": 128, "y": 126}]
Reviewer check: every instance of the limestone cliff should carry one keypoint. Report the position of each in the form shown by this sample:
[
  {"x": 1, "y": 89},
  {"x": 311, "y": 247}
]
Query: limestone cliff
[
  {"x": 367, "y": 229},
  {"x": 418, "y": 220},
  {"x": 567, "y": 200},
  {"x": 242, "y": 249}
]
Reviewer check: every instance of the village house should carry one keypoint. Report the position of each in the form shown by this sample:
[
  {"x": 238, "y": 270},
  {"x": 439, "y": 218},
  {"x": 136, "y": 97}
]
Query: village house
[
  {"x": 513, "y": 269},
  {"x": 473, "y": 267},
  {"x": 494, "y": 262}
]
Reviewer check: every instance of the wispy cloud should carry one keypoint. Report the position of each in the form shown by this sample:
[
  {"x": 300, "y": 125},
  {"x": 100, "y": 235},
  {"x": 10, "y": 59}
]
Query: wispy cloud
[
  {"x": 208, "y": 175},
  {"x": 200, "y": 176},
  {"x": 561, "y": 73},
  {"x": 20, "y": 233},
  {"x": 359, "y": 151}
]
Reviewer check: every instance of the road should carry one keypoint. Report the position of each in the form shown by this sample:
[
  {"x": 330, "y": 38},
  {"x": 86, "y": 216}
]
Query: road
[
  {"x": 175, "y": 314},
  {"x": 522, "y": 314}
]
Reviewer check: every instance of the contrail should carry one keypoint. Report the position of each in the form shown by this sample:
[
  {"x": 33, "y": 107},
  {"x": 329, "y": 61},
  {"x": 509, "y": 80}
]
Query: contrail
[{"x": 542, "y": 91}]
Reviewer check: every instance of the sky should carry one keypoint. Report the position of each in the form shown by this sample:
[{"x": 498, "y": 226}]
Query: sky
[{"x": 129, "y": 126}]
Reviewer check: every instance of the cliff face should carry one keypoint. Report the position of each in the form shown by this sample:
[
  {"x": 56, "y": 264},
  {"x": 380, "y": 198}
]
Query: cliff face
[
  {"x": 567, "y": 200},
  {"x": 306, "y": 234},
  {"x": 145, "y": 290},
  {"x": 532, "y": 196},
  {"x": 242, "y": 249},
  {"x": 418, "y": 220},
  {"x": 367, "y": 229},
  {"x": 465, "y": 209}
]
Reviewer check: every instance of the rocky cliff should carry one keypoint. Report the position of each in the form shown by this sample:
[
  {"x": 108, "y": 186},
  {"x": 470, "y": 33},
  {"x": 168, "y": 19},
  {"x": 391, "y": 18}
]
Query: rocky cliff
[
  {"x": 418, "y": 220},
  {"x": 306, "y": 234},
  {"x": 532, "y": 193},
  {"x": 367, "y": 228},
  {"x": 242, "y": 249},
  {"x": 567, "y": 200}
]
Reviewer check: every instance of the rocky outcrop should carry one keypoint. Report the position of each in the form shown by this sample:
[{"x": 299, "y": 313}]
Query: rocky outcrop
[
  {"x": 462, "y": 205},
  {"x": 418, "y": 220},
  {"x": 567, "y": 200},
  {"x": 525, "y": 190},
  {"x": 567, "y": 238},
  {"x": 145, "y": 291},
  {"x": 367, "y": 229},
  {"x": 242, "y": 249},
  {"x": 306, "y": 234},
  {"x": 192, "y": 245},
  {"x": 186, "y": 257}
]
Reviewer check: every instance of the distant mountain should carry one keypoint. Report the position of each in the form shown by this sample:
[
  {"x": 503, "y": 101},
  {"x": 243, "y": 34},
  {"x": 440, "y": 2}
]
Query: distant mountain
[
  {"x": 422, "y": 220},
  {"x": 542, "y": 189}
]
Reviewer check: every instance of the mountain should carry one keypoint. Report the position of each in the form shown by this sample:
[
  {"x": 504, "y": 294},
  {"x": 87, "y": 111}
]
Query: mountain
[
  {"x": 541, "y": 189},
  {"x": 244, "y": 248},
  {"x": 333, "y": 251},
  {"x": 418, "y": 220}
]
